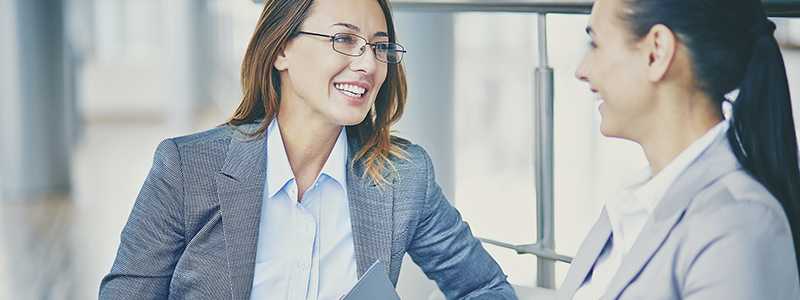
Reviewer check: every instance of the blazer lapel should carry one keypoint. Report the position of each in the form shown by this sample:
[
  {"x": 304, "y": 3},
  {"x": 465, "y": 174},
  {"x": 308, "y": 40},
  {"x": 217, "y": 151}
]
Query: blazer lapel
[
  {"x": 371, "y": 215},
  {"x": 712, "y": 164},
  {"x": 586, "y": 257},
  {"x": 240, "y": 187}
]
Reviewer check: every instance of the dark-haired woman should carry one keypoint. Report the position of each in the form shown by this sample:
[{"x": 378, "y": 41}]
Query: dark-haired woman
[
  {"x": 715, "y": 216},
  {"x": 305, "y": 188}
]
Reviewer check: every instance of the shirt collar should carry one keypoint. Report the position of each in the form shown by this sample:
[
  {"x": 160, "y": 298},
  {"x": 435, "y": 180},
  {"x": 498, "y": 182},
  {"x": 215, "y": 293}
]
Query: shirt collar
[
  {"x": 336, "y": 164},
  {"x": 279, "y": 172}
]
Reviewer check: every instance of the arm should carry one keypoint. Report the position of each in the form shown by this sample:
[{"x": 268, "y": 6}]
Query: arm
[
  {"x": 443, "y": 246},
  {"x": 744, "y": 251},
  {"x": 153, "y": 239}
]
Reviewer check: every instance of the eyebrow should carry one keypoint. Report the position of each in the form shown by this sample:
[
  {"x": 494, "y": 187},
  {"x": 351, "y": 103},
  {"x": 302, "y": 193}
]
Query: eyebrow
[{"x": 357, "y": 29}]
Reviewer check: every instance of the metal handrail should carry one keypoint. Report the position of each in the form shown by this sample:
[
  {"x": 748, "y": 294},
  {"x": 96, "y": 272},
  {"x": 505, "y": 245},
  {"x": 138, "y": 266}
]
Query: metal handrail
[{"x": 534, "y": 249}]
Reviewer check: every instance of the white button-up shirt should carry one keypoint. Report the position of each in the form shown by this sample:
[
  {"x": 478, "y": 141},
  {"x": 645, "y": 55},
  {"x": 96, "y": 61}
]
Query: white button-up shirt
[
  {"x": 305, "y": 248},
  {"x": 630, "y": 210}
]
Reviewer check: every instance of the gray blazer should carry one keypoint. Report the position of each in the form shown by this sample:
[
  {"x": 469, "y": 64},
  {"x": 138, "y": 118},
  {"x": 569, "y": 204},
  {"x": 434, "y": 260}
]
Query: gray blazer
[
  {"x": 717, "y": 234},
  {"x": 193, "y": 229}
]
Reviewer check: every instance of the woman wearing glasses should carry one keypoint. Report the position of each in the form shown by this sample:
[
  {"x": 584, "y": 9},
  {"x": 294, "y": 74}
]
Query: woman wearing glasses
[
  {"x": 716, "y": 215},
  {"x": 304, "y": 188}
]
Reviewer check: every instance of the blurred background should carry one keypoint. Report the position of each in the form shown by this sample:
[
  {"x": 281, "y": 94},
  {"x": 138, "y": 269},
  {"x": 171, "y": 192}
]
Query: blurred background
[{"x": 88, "y": 88}]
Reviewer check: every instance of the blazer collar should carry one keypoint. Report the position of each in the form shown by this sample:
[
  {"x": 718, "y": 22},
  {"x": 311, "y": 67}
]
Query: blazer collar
[
  {"x": 371, "y": 213},
  {"x": 588, "y": 253},
  {"x": 240, "y": 188},
  {"x": 713, "y": 163}
]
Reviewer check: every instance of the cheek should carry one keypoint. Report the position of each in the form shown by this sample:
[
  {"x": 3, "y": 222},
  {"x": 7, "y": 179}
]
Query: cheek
[
  {"x": 381, "y": 76},
  {"x": 314, "y": 77},
  {"x": 628, "y": 110},
  {"x": 619, "y": 78},
  {"x": 605, "y": 67}
]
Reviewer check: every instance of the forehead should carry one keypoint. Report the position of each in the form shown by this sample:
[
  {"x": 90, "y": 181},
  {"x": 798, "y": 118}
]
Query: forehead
[
  {"x": 365, "y": 14},
  {"x": 604, "y": 15}
]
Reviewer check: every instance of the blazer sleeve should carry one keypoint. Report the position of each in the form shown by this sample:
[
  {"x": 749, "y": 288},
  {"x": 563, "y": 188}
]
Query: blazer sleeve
[
  {"x": 444, "y": 248},
  {"x": 153, "y": 239},
  {"x": 742, "y": 251}
]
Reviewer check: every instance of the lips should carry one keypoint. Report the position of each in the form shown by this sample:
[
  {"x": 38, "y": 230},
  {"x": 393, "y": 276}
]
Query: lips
[{"x": 355, "y": 88}]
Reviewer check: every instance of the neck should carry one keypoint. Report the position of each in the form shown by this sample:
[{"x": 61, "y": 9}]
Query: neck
[
  {"x": 307, "y": 139},
  {"x": 683, "y": 118}
]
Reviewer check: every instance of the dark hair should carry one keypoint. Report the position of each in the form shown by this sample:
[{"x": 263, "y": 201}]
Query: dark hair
[{"x": 731, "y": 45}]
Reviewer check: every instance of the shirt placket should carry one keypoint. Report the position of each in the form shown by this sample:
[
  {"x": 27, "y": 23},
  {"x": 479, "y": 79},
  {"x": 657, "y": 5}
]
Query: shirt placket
[
  {"x": 305, "y": 226},
  {"x": 314, "y": 207}
]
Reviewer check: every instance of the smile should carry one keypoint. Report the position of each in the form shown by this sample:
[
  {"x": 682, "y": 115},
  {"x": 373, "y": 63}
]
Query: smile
[{"x": 350, "y": 90}]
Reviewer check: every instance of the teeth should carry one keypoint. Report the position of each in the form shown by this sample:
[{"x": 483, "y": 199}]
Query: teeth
[
  {"x": 355, "y": 91},
  {"x": 349, "y": 93}
]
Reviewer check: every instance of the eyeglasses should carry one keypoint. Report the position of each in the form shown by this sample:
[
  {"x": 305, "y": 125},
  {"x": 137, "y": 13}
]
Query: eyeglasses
[{"x": 354, "y": 45}]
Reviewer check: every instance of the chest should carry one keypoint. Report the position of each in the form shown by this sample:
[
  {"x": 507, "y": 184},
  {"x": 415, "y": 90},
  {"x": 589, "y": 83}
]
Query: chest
[{"x": 659, "y": 277}]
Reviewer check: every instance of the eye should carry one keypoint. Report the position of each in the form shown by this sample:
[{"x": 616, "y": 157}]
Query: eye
[
  {"x": 385, "y": 46},
  {"x": 344, "y": 39}
]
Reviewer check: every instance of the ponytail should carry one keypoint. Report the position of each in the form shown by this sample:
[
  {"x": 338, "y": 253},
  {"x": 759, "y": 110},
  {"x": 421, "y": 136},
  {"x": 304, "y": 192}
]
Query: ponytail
[{"x": 762, "y": 133}]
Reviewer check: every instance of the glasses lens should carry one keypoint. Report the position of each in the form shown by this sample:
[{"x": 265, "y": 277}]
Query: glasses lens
[
  {"x": 348, "y": 44},
  {"x": 389, "y": 52}
]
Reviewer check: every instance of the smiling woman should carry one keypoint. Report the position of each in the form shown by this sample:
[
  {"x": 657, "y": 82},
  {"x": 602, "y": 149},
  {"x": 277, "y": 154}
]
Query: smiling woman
[
  {"x": 694, "y": 224},
  {"x": 304, "y": 187},
  {"x": 316, "y": 65}
]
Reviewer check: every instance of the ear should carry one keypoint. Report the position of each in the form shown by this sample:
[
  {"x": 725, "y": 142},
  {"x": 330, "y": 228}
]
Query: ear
[
  {"x": 660, "y": 46},
  {"x": 282, "y": 61}
]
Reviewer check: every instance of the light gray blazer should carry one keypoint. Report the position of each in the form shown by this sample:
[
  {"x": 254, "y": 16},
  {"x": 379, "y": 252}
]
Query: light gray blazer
[
  {"x": 717, "y": 234},
  {"x": 193, "y": 230}
]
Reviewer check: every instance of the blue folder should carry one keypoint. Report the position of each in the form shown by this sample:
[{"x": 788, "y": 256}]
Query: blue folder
[{"x": 373, "y": 285}]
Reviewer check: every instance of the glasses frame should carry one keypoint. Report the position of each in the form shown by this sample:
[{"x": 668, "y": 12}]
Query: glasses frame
[{"x": 332, "y": 39}]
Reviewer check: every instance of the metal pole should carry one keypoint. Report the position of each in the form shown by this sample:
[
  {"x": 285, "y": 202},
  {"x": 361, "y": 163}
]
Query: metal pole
[{"x": 543, "y": 162}]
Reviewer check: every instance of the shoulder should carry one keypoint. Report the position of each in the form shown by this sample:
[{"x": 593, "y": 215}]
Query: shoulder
[
  {"x": 415, "y": 162},
  {"x": 737, "y": 192},
  {"x": 736, "y": 232},
  {"x": 222, "y": 133},
  {"x": 211, "y": 144},
  {"x": 736, "y": 204}
]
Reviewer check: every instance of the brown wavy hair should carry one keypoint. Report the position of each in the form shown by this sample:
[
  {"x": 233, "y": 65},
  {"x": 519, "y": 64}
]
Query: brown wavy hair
[{"x": 261, "y": 85}]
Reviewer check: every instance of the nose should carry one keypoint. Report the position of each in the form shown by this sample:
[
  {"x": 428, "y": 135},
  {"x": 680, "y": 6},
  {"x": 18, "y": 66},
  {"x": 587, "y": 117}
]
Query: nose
[
  {"x": 366, "y": 63},
  {"x": 582, "y": 72}
]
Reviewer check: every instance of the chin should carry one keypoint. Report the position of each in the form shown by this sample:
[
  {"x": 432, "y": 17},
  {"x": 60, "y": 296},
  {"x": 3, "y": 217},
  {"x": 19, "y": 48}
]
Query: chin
[
  {"x": 350, "y": 118},
  {"x": 616, "y": 134},
  {"x": 608, "y": 131}
]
